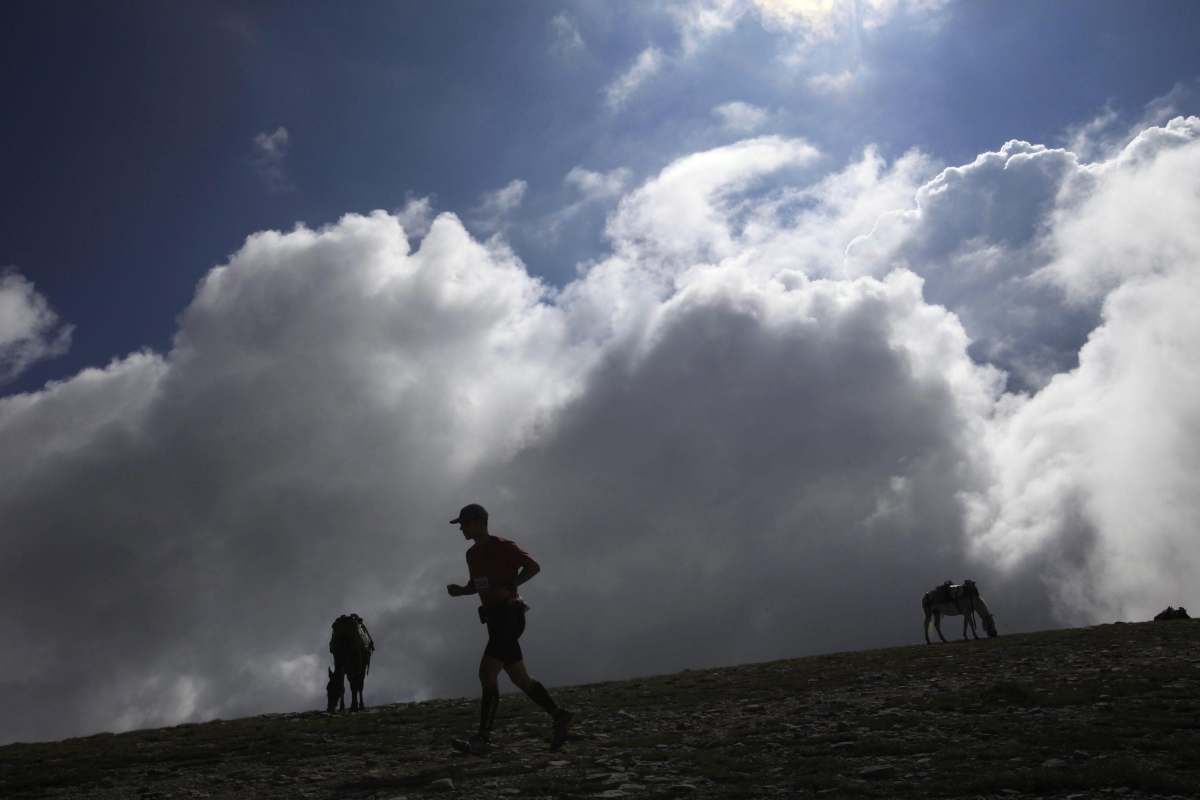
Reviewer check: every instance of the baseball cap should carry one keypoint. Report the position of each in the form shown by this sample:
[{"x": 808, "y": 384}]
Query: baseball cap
[{"x": 470, "y": 511}]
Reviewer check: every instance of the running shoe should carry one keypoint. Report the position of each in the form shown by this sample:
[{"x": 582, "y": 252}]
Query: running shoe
[
  {"x": 562, "y": 721},
  {"x": 475, "y": 746}
]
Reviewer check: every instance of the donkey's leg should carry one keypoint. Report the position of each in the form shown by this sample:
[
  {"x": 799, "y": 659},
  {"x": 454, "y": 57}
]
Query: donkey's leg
[
  {"x": 968, "y": 612},
  {"x": 356, "y": 682},
  {"x": 928, "y": 617},
  {"x": 937, "y": 625}
]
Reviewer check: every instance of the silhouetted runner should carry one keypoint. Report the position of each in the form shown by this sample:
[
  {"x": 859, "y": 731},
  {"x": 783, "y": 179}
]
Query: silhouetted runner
[{"x": 497, "y": 567}]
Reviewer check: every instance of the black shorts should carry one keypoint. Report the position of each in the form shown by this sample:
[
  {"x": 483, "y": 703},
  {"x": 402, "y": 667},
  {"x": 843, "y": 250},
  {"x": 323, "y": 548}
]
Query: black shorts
[{"x": 505, "y": 624}]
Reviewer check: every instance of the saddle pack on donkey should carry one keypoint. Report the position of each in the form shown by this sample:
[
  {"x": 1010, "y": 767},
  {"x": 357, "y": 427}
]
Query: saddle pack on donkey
[{"x": 345, "y": 628}]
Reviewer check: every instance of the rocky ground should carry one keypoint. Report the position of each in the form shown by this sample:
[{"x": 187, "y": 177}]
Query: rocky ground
[{"x": 1108, "y": 711}]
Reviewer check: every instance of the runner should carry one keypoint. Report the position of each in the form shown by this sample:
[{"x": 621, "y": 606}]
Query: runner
[{"x": 497, "y": 567}]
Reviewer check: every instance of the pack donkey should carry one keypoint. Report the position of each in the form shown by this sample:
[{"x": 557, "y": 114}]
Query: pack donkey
[
  {"x": 953, "y": 600},
  {"x": 351, "y": 645}
]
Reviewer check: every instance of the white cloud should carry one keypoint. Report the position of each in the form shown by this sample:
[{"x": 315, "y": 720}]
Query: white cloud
[
  {"x": 976, "y": 234},
  {"x": 416, "y": 217},
  {"x": 826, "y": 19},
  {"x": 30, "y": 331},
  {"x": 799, "y": 26},
  {"x": 508, "y": 198},
  {"x": 875, "y": 13},
  {"x": 1177, "y": 101},
  {"x": 647, "y": 64},
  {"x": 272, "y": 146},
  {"x": 66, "y": 416},
  {"x": 734, "y": 390},
  {"x": 814, "y": 18},
  {"x": 593, "y": 189},
  {"x": 685, "y": 212},
  {"x": 1108, "y": 134},
  {"x": 832, "y": 82},
  {"x": 809, "y": 21},
  {"x": 270, "y": 154},
  {"x": 566, "y": 36},
  {"x": 597, "y": 185},
  {"x": 1136, "y": 219},
  {"x": 1096, "y": 474},
  {"x": 495, "y": 207},
  {"x": 700, "y": 21},
  {"x": 1019, "y": 246},
  {"x": 740, "y": 117},
  {"x": 1093, "y": 139}
]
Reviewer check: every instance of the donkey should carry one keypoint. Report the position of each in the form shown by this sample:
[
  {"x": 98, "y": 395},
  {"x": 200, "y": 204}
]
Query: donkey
[
  {"x": 351, "y": 645},
  {"x": 954, "y": 600}
]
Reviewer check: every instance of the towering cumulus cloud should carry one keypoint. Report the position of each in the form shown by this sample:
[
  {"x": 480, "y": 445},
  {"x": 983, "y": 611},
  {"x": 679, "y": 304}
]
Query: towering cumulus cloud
[
  {"x": 783, "y": 405},
  {"x": 1095, "y": 476}
]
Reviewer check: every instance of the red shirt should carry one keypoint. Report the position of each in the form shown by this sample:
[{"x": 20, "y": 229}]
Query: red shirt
[{"x": 494, "y": 565}]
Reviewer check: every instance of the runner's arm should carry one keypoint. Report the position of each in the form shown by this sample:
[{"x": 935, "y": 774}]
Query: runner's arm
[
  {"x": 455, "y": 590},
  {"x": 528, "y": 569}
]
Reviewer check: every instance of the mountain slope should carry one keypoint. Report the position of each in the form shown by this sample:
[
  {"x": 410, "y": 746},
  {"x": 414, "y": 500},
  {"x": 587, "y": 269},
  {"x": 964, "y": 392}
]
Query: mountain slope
[{"x": 1106, "y": 711}]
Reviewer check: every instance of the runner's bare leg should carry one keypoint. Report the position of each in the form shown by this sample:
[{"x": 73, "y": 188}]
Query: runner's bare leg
[
  {"x": 536, "y": 692},
  {"x": 489, "y": 672}
]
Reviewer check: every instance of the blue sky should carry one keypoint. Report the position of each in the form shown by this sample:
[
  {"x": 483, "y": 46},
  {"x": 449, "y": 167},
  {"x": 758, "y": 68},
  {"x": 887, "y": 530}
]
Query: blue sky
[
  {"x": 130, "y": 157},
  {"x": 716, "y": 305}
]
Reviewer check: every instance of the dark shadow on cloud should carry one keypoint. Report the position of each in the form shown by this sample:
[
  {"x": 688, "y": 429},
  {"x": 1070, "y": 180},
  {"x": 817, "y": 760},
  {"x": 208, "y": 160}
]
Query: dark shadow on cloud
[{"x": 710, "y": 501}]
